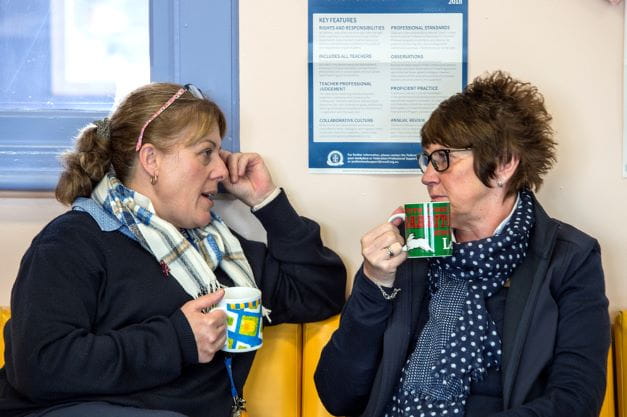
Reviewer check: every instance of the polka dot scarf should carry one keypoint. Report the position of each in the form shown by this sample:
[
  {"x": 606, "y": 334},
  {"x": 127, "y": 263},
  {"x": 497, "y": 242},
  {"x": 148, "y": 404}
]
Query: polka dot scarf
[{"x": 459, "y": 341}]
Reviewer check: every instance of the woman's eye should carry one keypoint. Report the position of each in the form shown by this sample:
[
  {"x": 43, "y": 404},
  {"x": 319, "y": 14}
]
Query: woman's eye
[{"x": 438, "y": 157}]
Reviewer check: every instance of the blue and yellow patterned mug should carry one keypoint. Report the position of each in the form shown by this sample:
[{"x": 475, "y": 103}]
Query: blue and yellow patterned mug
[{"x": 243, "y": 318}]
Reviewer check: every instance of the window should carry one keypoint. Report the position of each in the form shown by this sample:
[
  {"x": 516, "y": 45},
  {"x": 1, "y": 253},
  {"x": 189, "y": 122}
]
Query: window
[{"x": 66, "y": 62}]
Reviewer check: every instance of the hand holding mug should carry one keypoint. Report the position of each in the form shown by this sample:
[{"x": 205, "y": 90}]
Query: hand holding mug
[
  {"x": 381, "y": 248},
  {"x": 209, "y": 328}
]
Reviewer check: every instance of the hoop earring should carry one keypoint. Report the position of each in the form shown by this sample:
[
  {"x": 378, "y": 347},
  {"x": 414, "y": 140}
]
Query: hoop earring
[{"x": 153, "y": 179}]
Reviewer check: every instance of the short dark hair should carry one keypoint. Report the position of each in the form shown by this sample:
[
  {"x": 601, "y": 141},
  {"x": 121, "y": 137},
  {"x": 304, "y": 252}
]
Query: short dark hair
[{"x": 499, "y": 117}]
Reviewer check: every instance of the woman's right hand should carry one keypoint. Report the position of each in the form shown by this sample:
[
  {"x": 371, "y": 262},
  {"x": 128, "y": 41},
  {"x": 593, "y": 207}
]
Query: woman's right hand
[
  {"x": 382, "y": 249},
  {"x": 209, "y": 328}
]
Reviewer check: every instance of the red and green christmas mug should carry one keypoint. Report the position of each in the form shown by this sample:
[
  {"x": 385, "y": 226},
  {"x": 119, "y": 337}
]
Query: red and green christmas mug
[{"x": 427, "y": 229}]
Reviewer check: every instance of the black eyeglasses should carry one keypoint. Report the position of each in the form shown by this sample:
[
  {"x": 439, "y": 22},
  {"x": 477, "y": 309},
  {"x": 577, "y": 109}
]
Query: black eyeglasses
[
  {"x": 191, "y": 88},
  {"x": 438, "y": 158}
]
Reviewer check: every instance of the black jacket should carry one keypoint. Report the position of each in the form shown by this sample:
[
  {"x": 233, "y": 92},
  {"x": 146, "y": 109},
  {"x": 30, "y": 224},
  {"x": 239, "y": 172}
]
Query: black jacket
[{"x": 555, "y": 338}]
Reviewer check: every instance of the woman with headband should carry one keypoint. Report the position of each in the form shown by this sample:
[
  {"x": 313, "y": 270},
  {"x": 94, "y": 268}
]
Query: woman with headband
[{"x": 111, "y": 309}]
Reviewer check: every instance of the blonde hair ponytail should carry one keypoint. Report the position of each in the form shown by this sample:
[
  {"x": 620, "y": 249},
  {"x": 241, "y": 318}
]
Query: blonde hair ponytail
[{"x": 86, "y": 165}]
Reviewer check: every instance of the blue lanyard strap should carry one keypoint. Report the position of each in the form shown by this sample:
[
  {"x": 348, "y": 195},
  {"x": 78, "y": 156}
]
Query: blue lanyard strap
[
  {"x": 239, "y": 404},
  {"x": 229, "y": 370}
]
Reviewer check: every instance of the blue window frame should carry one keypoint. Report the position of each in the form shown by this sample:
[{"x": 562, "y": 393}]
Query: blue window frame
[{"x": 191, "y": 41}]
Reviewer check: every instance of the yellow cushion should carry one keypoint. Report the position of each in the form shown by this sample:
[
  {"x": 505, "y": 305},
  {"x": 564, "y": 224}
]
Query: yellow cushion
[
  {"x": 5, "y": 313},
  {"x": 316, "y": 335},
  {"x": 619, "y": 333},
  {"x": 609, "y": 406},
  {"x": 273, "y": 387}
]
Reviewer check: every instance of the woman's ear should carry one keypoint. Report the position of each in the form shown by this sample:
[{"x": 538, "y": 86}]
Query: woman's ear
[
  {"x": 149, "y": 160},
  {"x": 505, "y": 171}
]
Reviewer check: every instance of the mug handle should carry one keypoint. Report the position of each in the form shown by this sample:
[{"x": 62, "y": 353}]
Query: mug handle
[
  {"x": 218, "y": 307},
  {"x": 397, "y": 216},
  {"x": 402, "y": 217}
]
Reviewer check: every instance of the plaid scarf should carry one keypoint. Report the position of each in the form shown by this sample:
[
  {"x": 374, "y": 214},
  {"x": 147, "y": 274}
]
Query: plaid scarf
[
  {"x": 191, "y": 255},
  {"x": 460, "y": 340}
]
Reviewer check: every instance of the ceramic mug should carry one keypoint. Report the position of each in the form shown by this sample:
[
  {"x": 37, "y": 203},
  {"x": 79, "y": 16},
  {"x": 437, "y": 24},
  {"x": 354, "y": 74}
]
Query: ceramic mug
[
  {"x": 244, "y": 319},
  {"x": 427, "y": 229}
]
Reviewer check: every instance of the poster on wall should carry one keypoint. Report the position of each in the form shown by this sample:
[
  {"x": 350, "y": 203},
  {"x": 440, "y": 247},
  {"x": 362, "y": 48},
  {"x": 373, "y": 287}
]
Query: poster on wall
[{"x": 377, "y": 69}]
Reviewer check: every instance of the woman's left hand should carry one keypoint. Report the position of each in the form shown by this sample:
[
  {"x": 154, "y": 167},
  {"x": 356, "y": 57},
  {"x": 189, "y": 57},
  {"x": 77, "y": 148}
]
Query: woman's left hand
[{"x": 249, "y": 179}]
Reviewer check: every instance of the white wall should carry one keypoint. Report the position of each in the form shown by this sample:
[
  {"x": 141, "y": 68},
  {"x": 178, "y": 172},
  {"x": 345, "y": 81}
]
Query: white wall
[{"x": 572, "y": 50}]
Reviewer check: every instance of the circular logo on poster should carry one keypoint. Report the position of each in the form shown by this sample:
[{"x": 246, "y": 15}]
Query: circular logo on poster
[{"x": 335, "y": 159}]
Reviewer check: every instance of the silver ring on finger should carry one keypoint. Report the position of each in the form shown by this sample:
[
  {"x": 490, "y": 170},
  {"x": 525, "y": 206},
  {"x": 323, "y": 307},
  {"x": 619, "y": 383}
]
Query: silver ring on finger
[{"x": 389, "y": 252}]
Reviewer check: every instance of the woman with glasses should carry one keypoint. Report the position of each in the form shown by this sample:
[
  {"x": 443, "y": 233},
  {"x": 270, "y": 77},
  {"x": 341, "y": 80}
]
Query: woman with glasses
[
  {"x": 111, "y": 309},
  {"x": 515, "y": 322}
]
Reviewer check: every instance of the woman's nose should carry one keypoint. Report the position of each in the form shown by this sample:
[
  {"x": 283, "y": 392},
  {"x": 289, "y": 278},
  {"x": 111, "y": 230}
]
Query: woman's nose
[
  {"x": 430, "y": 176},
  {"x": 220, "y": 171}
]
